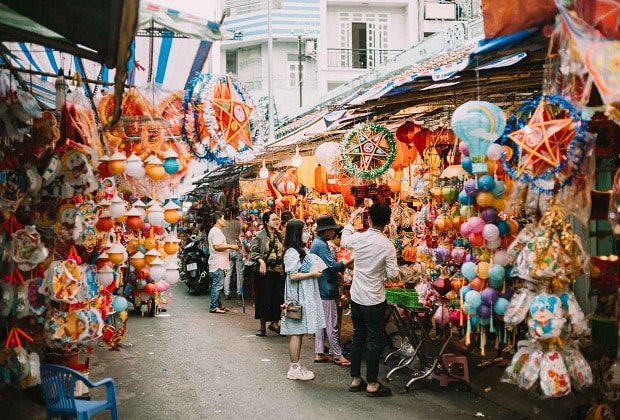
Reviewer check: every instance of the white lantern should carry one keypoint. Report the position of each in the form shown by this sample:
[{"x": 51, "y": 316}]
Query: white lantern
[
  {"x": 297, "y": 159},
  {"x": 172, "y": 272},
  {"x": 156, "y": 215},
  {"x": 105, "y": 275},
  {"x": 141, "y": 207},
  {"x": 117, "y": 207},
  {"x": 325, "y": 154},
  {"x": 134, "y": 167},
  {"x": 156, "y": 269}
]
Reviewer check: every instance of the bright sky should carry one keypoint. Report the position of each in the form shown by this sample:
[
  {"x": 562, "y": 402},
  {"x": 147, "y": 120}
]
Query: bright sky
[{"x": 201, "y": 8}]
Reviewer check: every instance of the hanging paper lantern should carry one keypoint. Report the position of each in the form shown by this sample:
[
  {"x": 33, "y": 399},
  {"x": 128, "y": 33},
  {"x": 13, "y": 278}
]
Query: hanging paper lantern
[
  {"x": 478, "y": 124},
  {"x": 154, "y": 168},
  {"x": 404, "y": 156},
  {"x": 156, "y": 215},
  {"x": 288, "y": 184},
  {"x": 117, "y": 207},
  {"x": 105, "y": 275},
  {"x": 325, "y": 154},
  {"x": 134, "y": 219},
  {"x": 150, "y": 288},
  {"x": 171, "y": 161},
  {"x": 306, "y": 171},
  {"x": 367, "y": 151},
  {"x": 134, "y": 167},
  {"x": 171, "y": 244},
  {"x": 172, "y": 272},
  {"x": 432, "y": 158},
  {"x": 171, "y": 212},
  {"x": 116, "y": 163},
  {"x": 156, "y": 269},
  {"x": 116, "y": 253},
  {"x": 320, "y": 180},
  {"x": 105, "y": 222},
  {"x": 137, "y": 260},
  {"x": 151, "y": 255},
  {"x": 143, "y": 273},
  {"x": 405, "y": 133}
]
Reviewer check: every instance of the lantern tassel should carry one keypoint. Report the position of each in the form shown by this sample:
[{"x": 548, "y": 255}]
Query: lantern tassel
[{"x": 468, "y": 333}]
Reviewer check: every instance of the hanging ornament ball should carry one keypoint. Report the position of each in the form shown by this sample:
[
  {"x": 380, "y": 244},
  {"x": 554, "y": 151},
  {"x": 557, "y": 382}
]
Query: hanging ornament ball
[
  {"x": 499, "y": 189},
  {"x": 470, "y": 187},
  {"x": 463, "y": 148},
  {"x": 473, "y": 298},
  {"x": 485, "y": 199},
  {"x": 465, "y": 229},
  {"x": 482, "y": 269},
  {"x": 504, "y": 227},
  {"x": 463, "y": 291},
  {"x": 467, "y": 165},
  {"x": 490, "y": 232},
  {"x": 171, "y": 165},
  {"x": 494, "y": 152},
  {"x": 476, "y": 284},
  {"x": 489, "y": 214},
  {"x": 501, "y": 306},
  {"x": 486, "y": 183}
]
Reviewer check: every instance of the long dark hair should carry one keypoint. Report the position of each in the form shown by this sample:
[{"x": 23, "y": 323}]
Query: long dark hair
[
  {"x": 265, "y": 217},
  {"x": 294, "y": 229}
]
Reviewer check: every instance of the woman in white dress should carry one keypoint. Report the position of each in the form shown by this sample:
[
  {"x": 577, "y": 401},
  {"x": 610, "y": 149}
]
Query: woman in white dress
[{"x": 303, "y": 288}]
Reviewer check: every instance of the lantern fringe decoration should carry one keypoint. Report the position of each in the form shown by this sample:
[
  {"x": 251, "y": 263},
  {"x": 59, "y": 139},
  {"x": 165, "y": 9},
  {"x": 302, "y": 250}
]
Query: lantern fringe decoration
[
  {"x": 213, "y": 148},
  {"x": 361, "y": 145}
]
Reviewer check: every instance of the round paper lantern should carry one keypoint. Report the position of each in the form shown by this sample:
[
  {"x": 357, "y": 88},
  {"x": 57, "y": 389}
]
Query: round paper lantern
[
  {"x": 137, "y": 260},
  {"x": 490, "y": 232},
  {"x": 476, "y": 284},
  {"x": 463, "y": 291},
  {"x": 456, "y": 317},
  {"x": 288, "y": 184},
  {"x": 501, "y": 257},
  {"x": 105, "y": 222},
  {"x": 466, "y": 199},
  {"x": 406, "y": 135},
  {"x": 463, "y": 148},
  {"x": 499, "y": 204},
  {"x": 171, "y": 244},
  {"x": 476, "y": 224},
  {"x": 501, "y": 306},
  {"x": 105, "y": 275},
  {"x": 154, "y": 168},
  {"x": 486, "y": 183},
  {"x": 119, "y": 304},
  {"x": 134, "y": 219},
  {"x": 478, "y": 123},
  {"x": 134, "y": 167},
  {"x": 489, "y": 296},
  {"x": 482, "y": 270},
  {"x": 151, "y": 255},
  {"x": 484, "y": 312},
  {"x": 306, "y": 171},
  {"x": 143, "y": 273},
  {"x": 171, "y": 162},
  {"x": 171, "y": 212},
  {"x": 470, "y": 187},
  {"x": 325, "y": 154},
  {"x": 172, "y": 273},
  {"x": 473, "y": 298},
  {"x": 458, "y": 254},
  {"x": 467, "y": 165},
  {"x": 514, "y": 226},
  {"x": 467, "y": 212},
  {"x": 504, "y": 227},
  {"x": 489, "y": 214},
  {"x": 494, "y": 244},
  {"x": 496, "y": 275},
  {"x": 116, "y": 253},
  {"x": 485, "y": 199},
  {"x": 320, "y": 180},
  {"x": 116, "y": 164},
  {"x": 149, "y": 243},
  {"x": 103, "y": 170},
  {"x": 155, "y": 215},
  {"x": 499, "y": 189},
  {"x": 469, "y": 270},
  {"x": 150, "y": 289},
  {"x": 117, "y": 207},
  {"x": 494, "y": 152},
  {"x": 404, "y": 156}
]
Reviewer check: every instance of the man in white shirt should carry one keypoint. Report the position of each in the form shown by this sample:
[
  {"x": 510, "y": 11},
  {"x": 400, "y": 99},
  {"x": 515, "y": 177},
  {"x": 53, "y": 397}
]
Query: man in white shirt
[
  {"x": 218, "y": 260},
  {"x": 231, "y": 232},
  {"x": 375, "y": 259}
]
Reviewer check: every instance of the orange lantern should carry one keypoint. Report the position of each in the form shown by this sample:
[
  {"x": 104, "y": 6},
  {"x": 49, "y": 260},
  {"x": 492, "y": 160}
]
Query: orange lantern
[
  {"x": 134, "y": 219},
  {"x": 151, "y": 255},
  {"x": 320, "y": 180},
  {"x": 477, "y": 284},
  {"x": 306, "y": 171},
  {"x": 395, "y": 185},
  {"x": 404, "y": 156},
  {"x": 137, "y": 260},
  {"x": 287, "y": 184},
  {"x": 457, "y": 221},
  {"x": 410, "y": 253},
  {"x": 116, "y": 163},
  {"x": 171, "y": 212},
  {"x": 442, "y": 224},
  {"x": 105, "y": 222}
]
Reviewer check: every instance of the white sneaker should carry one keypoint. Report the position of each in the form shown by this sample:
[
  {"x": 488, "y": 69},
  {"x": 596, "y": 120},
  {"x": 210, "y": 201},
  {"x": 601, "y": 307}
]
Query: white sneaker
[{"x": 301, "y": 373}]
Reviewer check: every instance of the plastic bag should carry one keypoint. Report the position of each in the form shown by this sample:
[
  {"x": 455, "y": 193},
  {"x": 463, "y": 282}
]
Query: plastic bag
[
  {"x": 576, "y": 197},
  {"x": 531, "y": 369},
  {"x": 578, "y": 367},
  {"x": 576, "y": 320},
  {"x": 77, "y": 122},
  {"x": 546, "y": 320},
  {"x": 511, "y": 374},
  {"x": 554, "y": 378},
  {"x": 519, "y": 306}
]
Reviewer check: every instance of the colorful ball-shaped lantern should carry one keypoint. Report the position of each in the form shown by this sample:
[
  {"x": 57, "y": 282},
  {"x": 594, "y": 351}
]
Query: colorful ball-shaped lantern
[
  {"x": 171, "y": 244},
  {"x": 134, "y": 167},
  {"x": 117, "y": 207},
  {"x": 137, "y": 260},
  {"x": 143, "y": 273},
  {"x": 171, "y": 162},
  {"x": 105, "y": 275},
  {"x": 150, "y": 288},
  {"x": 116, "y": 163},
  {"x": 156, "y": 215},
  {"x": 119, "y": 304},
  {"x": 288, "y": 184},
  {"x": 171, "y": 212},
  {"x": 156, "y": 269},
  {"x": 325, "y": 155},
  {"x": 154, "y": 168},
  {"x": 105, "y": 222},
  {"x": 116, "y": 253},
  {"x": 151, "y": 255},
  {"x": 172, "y": 272},
  {"x": 134, "y": 219}
]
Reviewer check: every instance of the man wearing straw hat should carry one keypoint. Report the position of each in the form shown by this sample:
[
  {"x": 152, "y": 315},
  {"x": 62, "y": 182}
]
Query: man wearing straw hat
[{"x": 375, "y": 259}]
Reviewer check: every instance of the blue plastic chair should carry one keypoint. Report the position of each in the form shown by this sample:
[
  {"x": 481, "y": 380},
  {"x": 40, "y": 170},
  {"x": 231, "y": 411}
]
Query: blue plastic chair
[{"x": 58, "y": 384}]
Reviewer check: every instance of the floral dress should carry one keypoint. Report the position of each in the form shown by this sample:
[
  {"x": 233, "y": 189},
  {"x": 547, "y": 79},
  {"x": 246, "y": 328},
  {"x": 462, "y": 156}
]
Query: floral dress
[{"x": 312, "y": 318}]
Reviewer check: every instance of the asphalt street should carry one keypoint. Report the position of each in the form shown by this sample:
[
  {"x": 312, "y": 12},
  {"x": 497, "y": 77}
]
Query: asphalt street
[{"x": 189, "y": 364}]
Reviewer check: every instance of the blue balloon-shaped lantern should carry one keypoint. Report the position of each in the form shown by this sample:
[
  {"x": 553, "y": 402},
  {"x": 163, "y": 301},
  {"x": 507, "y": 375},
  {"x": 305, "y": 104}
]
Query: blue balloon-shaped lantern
[
  {"x": 171, "y": 162},
  {"x": 119, "y": 304},
  {"x": 478, "y": 124}
]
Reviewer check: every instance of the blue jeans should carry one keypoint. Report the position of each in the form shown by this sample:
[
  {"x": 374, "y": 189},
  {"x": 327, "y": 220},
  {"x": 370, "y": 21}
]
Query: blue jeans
[
  {"x": 217, "y": 284},
  {"x": 236, "y": 267}
]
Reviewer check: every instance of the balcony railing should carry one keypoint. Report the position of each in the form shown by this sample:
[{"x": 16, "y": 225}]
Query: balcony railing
[{"x": 351, "y": 58}]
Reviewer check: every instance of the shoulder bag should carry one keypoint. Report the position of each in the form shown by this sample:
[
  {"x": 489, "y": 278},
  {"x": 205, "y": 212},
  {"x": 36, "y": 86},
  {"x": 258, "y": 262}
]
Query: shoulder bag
[{"x": 291, "y": 308}]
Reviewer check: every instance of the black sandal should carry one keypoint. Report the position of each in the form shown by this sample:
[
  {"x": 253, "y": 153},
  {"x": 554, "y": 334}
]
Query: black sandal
[
  {"x": 261, "y": 333},
  {"x": 382, "y": 391},
  {"x": 359, "y": 388}
]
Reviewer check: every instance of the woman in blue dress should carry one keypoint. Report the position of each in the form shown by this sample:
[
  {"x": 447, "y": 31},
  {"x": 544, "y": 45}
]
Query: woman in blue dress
[{"x": 303, "y": 288}]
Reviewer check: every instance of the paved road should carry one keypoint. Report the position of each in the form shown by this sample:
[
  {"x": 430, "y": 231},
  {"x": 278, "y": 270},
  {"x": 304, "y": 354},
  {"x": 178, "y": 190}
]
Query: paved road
[{"x": 190, "y": 364}]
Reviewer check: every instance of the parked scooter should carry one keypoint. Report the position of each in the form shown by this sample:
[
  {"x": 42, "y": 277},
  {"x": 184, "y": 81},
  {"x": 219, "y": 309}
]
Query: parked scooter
[{"x": 195, "y": 268}]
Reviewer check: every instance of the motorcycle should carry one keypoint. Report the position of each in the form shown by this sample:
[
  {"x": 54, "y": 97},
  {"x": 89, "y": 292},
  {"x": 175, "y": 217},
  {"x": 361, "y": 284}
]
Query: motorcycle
[{"x": 195, "y": 269}]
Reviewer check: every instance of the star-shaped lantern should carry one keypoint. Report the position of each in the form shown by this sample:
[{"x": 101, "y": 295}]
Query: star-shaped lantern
[
  {"x": 232, "y": 114},
  {"x": 368, "y": 149},
  {"x": 543, "y": 141}
]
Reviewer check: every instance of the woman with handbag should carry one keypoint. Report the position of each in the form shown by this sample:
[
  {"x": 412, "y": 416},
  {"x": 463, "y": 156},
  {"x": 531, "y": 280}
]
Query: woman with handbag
[
  {"x": 302, "y": 311},
  {"x": 266, "y": 255}
]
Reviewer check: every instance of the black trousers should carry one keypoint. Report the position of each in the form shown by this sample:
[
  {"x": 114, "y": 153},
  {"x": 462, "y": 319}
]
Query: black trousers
[{"x": 368, "y": 326}]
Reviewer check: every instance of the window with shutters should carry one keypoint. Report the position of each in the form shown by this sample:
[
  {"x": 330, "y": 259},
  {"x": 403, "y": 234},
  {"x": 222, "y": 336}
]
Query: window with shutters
[{"x": 249, "y": 67}]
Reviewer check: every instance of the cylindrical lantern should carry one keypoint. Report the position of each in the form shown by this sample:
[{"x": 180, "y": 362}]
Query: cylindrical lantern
[
  {"x": 116, "y": 164},
  {"x": 171, "y": 212},
  {"x": 134, "y": 167},
  {"x": 105, "y": 275}
]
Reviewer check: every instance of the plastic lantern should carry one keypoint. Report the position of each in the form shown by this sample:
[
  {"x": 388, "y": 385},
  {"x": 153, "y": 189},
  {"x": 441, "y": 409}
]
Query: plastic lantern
[
  {"x": 482, "y": 270},
  {"x": 116, "y": 163},
  {"x": 101, "y": 259},
  {"x": 478, "y": 124},
  {"x": 156, "y": 269},
  {"x": 117, "y": 207},
  {"x": 154, "y": 168},
  {"x": 105, "y": 275},
  {"x": 171, "y": 161},
  {"x": 325, "y": 154},
  {"x": 141, "y": 207},
  {"x": 151, "y": 255},
  {"x": 172, "y": 272},
  {"x": 171, "y": 244},
  {"x": 134, "y": 167},
  {"x": 288, "y": 184},
  {"x": 116, "y": 253},
  {"x": 171, "y": 212},
  {"x": 494, "y": 152},
  {"x": 105, "y": 222},
  {"x": 490, "y": 232},
  {"x": 150, "y": 289},
  {"x": 305, "y": 172},
  {"x": 104, "y": 172},
  {"x": 137, "y": 260},
  {"x": 134, "y": 219},
  {"x": 156, "y": 215},
  {"x": 119, "y": 304}
]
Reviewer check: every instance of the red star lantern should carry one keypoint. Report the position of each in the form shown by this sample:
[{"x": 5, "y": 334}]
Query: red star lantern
[
  {"x": 543, "y": 141},
  {"x": 232, "y": 114}
]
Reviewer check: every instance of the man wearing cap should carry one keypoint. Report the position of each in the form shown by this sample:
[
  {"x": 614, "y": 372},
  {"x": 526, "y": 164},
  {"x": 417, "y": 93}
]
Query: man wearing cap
[
  {"x": 328, "y": 287},
  {"x": 375, "y": 258}
]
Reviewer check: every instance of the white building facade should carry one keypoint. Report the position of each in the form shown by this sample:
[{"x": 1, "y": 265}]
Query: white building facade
[{"x": 332, "y": 41}]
